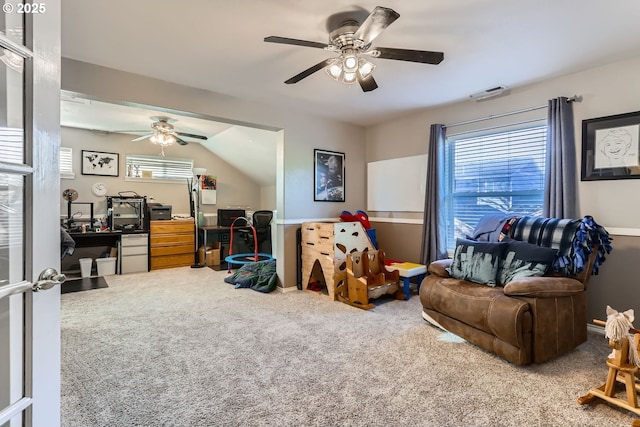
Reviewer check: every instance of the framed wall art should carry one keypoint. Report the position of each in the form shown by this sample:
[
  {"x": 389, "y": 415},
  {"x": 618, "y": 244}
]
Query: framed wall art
[
  {"x": 611, "y": 147},
  {"x": 329, "y": 180},
  {"x": 100, "y": 163}
]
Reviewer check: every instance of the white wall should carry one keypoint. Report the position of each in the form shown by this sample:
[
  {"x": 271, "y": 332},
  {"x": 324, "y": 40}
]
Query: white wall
[
  {"x": 606, "y": 90},
  {"x": 234, "y": 188},
  {"x": 299, "y": 133},
  {"x": 302, "y": 132}
]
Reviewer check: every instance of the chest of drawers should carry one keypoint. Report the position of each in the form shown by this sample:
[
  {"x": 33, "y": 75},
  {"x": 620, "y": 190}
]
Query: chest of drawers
[{"x": 172, "y": 243}]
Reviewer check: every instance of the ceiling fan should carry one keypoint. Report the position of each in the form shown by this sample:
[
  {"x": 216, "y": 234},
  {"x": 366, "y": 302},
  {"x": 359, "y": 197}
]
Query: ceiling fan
[
  {"x": 163, "y": 133},
  {"x": 353, "y": 41}
]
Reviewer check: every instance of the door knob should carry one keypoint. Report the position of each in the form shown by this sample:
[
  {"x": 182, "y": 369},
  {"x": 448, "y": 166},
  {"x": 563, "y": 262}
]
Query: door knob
[{"x": 48, "y": 279}]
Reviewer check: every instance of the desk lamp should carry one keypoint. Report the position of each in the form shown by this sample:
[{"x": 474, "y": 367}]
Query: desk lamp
[{"x": 197, "y": 172}]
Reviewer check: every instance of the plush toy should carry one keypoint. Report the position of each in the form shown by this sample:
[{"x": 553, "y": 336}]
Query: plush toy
[
  {"x": 617, "y": 327},
  {"x": 360, "y": 216}
]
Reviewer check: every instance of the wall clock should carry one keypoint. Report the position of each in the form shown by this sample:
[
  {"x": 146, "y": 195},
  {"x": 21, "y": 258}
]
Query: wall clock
[{"x": 99, "y": 189}]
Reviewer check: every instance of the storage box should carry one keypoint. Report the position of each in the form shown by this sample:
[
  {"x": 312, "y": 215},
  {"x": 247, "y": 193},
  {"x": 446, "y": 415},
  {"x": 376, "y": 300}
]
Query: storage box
[
  {"x": 212, "y": 254},
  {"x": 106, "y": 266}
]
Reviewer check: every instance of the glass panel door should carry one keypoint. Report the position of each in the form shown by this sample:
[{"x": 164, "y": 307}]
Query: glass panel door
[{"x": 15, "y": 324}]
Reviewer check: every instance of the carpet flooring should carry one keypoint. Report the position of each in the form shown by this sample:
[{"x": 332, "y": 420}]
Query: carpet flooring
[{"x": 180, "y": 347}]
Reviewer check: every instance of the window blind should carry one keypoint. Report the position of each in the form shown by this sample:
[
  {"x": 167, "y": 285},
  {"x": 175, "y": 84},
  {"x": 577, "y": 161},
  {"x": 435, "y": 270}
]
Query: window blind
[
  {"x": 158, "y": 168},
  {"x": 11, "y": 145},
  {"x": 502, "y": 172},
  {"x": 66, "y": 163}
]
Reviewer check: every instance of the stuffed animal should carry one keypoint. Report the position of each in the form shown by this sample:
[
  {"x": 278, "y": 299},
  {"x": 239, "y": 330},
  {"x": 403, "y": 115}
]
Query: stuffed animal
[{"x": 617, "y": 327}]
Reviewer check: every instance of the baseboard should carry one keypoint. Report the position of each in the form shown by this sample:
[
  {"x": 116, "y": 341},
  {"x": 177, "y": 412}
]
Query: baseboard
[
  {"x": 288, "y": 289},
  {"x": 595, "y": 328}
]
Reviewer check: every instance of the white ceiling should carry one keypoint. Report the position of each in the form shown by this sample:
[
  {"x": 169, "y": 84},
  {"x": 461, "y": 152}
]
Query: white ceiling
[
  {"x": 218, "y": 46},
  {"x": 258, "y": 146}
]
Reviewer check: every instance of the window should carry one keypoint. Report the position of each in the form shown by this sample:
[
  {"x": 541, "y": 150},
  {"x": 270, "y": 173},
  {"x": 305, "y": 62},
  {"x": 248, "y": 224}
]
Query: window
[
  {"x": 499, "y": 172},
  {"x": 156, "y": 168},
  {"x": 66, "y": 163}
]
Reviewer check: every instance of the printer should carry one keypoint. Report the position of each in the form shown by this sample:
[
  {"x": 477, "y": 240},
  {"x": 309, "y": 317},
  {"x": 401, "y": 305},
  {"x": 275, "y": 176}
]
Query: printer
[{"x": 158, "y": 211}]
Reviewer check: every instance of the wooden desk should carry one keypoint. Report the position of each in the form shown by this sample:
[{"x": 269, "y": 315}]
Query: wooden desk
[
  {"x": 89, "y": 245},
  {"x": 223, "y": 236},
  {"x": 92, "y": 239}
]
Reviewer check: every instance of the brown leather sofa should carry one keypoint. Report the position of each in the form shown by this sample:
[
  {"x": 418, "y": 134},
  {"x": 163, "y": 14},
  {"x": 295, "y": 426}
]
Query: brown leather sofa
[{"x": 530, "y": 319}]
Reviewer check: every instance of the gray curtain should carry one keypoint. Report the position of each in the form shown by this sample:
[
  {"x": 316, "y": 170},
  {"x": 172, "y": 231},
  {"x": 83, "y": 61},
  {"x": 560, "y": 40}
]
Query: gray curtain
[
  {"x": 433, "y": 246},
  {"x": 560, "y": 184}
]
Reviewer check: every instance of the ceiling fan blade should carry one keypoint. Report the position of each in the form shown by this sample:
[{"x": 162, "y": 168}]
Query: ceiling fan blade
[
  {"x": 379, "y": 19},
  {"x": 181, "y": 141},
  {"x": 309, "y": 71},
  {"x": 192, "y": 135},
  {"x": 422, "y": 56},
  {"x": 295, "y": 42},
  {"x": 140, "y": 138},
  {"x": 367, "y": 83}
]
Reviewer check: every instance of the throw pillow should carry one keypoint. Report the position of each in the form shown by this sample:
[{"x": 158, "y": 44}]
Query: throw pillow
[
  {"x": 477, "y": 261},
  {"x": 523, "y": 259}
]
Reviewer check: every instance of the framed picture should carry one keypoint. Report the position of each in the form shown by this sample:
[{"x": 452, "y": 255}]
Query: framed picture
[
  {"x": 99, "y": 163},
  {"x": 328, "y": 172},
  {"x": 611, "y": 147}
]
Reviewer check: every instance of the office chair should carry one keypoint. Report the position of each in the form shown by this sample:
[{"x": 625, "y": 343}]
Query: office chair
[{"x": 262, "y": 223}]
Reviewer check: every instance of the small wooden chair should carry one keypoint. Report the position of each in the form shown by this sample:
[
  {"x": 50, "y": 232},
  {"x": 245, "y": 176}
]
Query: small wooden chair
[{"x": 367, "y": 278}]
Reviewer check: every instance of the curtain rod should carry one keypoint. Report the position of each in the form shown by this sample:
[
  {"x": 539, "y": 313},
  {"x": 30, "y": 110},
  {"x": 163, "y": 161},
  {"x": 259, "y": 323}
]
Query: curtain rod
[
  {"x": 574, "y": 98},
  {"x": 523, "y": 122}
]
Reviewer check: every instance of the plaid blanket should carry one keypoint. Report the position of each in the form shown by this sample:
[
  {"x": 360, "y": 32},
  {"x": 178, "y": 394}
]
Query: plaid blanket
[{"x": 574, "y": 239}]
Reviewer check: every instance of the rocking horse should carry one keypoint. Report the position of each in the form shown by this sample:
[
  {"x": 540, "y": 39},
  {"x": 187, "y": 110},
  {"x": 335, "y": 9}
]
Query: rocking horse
[{"x": 623, "y": 363}]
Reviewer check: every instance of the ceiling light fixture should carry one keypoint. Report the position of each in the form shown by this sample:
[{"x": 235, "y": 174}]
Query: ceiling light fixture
[
  {"x": 164, "y": 139},
  {"x": 348, "y": 65}
]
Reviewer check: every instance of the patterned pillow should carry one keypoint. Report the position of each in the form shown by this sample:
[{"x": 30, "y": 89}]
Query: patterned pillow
[
  {"x": 523, "y": 259},
  {"x": 477, "y": 261}
]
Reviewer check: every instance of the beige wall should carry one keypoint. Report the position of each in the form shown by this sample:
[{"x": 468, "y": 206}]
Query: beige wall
[
  {"x": 300, "y": 134},
  {"x": 234, "y": 187},
  {"x": 606, "y": 90}
]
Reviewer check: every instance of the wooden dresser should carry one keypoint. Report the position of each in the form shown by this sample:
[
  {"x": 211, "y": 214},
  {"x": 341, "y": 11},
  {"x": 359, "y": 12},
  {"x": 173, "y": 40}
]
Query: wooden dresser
[{"x": 172, "y": 243}]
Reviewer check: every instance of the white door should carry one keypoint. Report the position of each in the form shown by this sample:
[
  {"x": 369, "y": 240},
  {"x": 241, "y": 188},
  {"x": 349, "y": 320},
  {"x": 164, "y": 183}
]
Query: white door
[{"x": 29, "y": 217}]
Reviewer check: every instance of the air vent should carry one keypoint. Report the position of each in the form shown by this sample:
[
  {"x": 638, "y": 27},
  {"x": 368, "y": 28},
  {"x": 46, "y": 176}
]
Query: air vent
[{"x": 490, "y": 93}]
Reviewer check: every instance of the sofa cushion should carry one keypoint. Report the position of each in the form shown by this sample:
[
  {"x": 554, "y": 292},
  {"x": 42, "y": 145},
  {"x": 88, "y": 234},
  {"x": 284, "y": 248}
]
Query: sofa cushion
[
  {"x": 522, "y": 259},
  {"x": 477, "y": 261}
]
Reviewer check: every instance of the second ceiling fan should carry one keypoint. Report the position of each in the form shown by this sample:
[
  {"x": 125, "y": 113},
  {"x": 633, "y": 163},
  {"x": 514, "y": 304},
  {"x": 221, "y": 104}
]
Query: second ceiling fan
[
  {"x": 163, "y": 133},
  {"x": 353, "y": 41}
]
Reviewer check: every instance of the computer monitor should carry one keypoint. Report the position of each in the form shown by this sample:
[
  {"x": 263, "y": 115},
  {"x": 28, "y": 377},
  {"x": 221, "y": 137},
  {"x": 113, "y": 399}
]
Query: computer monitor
[{"x": 227, "y": 216}]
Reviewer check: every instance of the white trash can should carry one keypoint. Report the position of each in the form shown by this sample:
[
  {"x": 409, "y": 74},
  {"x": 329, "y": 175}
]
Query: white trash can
[
  {"x": 85, "y": 267},
  {"x": 106, "y": 266}
]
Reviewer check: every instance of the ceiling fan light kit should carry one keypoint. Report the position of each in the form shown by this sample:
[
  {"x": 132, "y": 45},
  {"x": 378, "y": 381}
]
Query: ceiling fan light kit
[
  {"x": 353, "y": 40},
  {"x": 162, "y": 139},
  {"x": 163, "y": 134}
]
